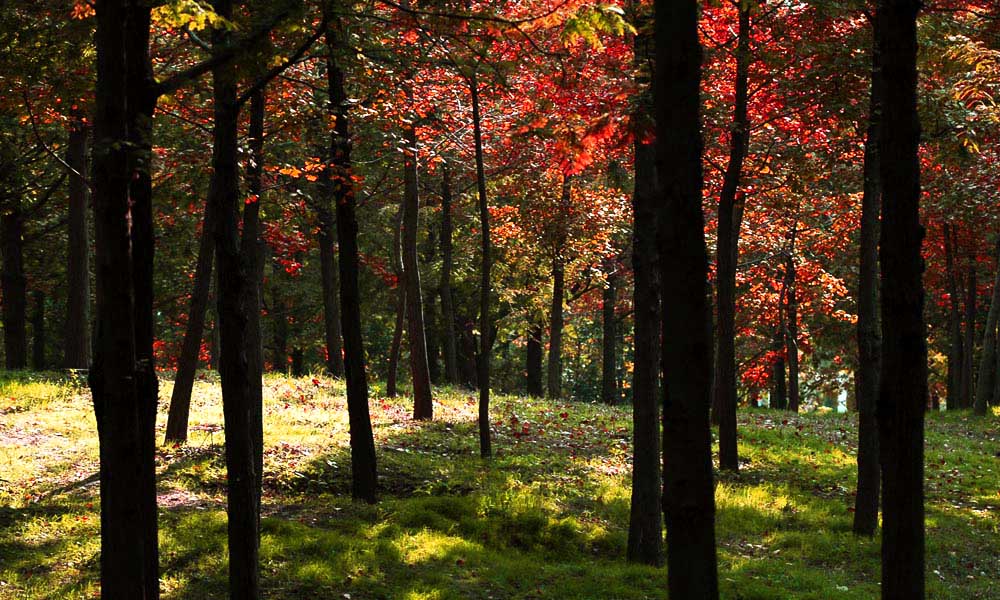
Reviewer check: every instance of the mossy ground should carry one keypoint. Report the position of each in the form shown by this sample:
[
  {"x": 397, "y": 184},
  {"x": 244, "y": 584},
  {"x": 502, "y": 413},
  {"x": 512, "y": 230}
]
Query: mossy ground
[{"x": 546, "y": 518}]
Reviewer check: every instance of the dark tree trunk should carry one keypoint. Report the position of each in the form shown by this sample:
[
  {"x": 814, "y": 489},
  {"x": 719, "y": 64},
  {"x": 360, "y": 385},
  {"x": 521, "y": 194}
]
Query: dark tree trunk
[
  {"x": 645, "y": 531},
  {"x": 609, "y": 339},
  {"x": 423, "y": 404},
  {"x": 76, "y": 341},
  {"x": 15, "y": 289},
  {"x": 126, "y": 462},
  {"x": 792, "y": 323},
  {"x": 447, "y": 261},
  {"x": 187, "y": 363},
  {"x": 554, "y": 388},
  {"x": 328, "y": 268},
  {"x": 955, "y": 350},
  {"x": 988, "y": 363},
  {"x": 233, "y": 283},
  {"x": 866, "y": 375},
  {"x": 779, "y": 394},
  {"x": 363, "y": 478},
  {"x": 688, "y": 490},
  {"x": 395, "y": 348},
  {"x": 298, "y": 362},
  {"x": 428, "y": 256},
  {"x": 533, "y": 360},
  {"x": 485, "y": 321},
  {"x": 903, "y": 389},
  {"x": 38, "y": 330},
  {"x": 965, "y": 387},
  {"x": 280, "y": 308},
  {"x": 727, "y": 254}
]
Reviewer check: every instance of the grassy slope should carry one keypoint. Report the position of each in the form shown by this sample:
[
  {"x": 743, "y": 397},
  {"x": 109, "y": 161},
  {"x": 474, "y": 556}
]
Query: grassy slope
[{"x": 546, "y": 519}]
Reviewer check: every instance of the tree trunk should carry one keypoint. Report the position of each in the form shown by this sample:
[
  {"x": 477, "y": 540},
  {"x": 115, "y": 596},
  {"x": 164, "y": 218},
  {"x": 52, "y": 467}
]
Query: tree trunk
[
  {"x": 965, "y": 388},
  {"x": 447, "y": 261},
  {"x": 187, "y": 363},
  {"x": 987, "y": 365},
  {"x": 15, "y": 289},
  {"x": 233, "y": 283},
  {"x": 778, "y": 396},
  {"x": 645, "y": 530},
  {"x": 280, "y": 308},
  {"x": 955, "y": 351},
  {"x": 423, "y": 404},
  {"x": 727, "y": 254},
  {"x": 485, "y": 321},
  {"x": 533, "y": 366},
  {"x": 363, "y": 478},
  {"x": 688, "y": 490},
  {"x": 554, "y": 388},
  {"x": 395, "y": 348},
  {"x": 38, "y": 331},
  {"x": 609, "y": 339},
  {"x": 76, "y": 341},
  {"x": 903, "y": 390},
  {"x": 792, "y": 323},
  {"x": 328, "y": 268},
  {"x": 866, "y": 375}
]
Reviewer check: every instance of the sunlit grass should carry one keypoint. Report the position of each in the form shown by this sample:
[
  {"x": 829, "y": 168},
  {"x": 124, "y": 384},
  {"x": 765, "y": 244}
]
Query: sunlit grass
[{"x": 546, "y": 518}]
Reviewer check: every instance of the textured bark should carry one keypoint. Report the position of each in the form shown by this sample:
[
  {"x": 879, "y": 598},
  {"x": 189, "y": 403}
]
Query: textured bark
[
  {"x": 609, "y": 340},
  {"x": 792, "y": 325},
  {"x": 449, "y": 340},
  {"x": 38, "y": 340},
  {"x": 187, "y": 363},
  {"x": 866, "y": 375},
  {"x": 328, "y": 268},
  {"x": 965, "y": 387},
  {"x": 15, "y": 288},
  {"x": 903, "y": 389},
  {"x": 423, "y": 404},
  {"x": 485, "y": 321},
  {"x": 396, "y": 346},
  {"x": 554, "y": 387},
  {"x": 363, "y": 478},
  {"x": 76, "y": 338},
  {"x": 779, "y": 394},
  {"x": 727, "y": 254},
  {"x": 688, "y": 490},
  {"x": 645, "y": 531},
  {"x": 533, "y": 361},
  {"x": 985, "y": 383}
]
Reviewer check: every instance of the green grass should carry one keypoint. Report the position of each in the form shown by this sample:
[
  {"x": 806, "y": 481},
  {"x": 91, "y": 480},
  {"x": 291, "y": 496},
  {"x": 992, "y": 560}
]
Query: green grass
[{"x": 547, "y": 518}]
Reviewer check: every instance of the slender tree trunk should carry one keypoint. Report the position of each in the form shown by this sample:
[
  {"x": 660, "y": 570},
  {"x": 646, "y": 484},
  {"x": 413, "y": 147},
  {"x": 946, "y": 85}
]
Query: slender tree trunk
[
  {"x": 955, "y": 350},
  {"x": 280, "y": 307},
  {"x": 609, "y": 339},
  {"x": 728, "y": 254},
  {"x": 485, "y": 321},
  {"x": 866, "y": 376},
  {"x": 76, "y": 341},
  {"x": 15, "y": 289},
  {"x": 688, "y": 490},
  {"x": 447, "y": 261},
  {"x": 38, "y": 330},
  {"x": 187, "y": 363},
  {"x": 645, "y": 531},
  {"x": 533, "y": 359},
  {"x": 363, "y": 478},
  {"x": 903, "y": 390},
  {"x": 965, "y": 388},
  {"x": 395, "y": 348},
  {"x": 428, "y": 256},
  {"x": 792, "y": 323},
  {"x": 779, "y": 394},
  {"x": 987, "y": 365},
  {"x": 554, "y": 388},
  {"x": 423, "y": 404},
  {"x": 328, "y": 268}
]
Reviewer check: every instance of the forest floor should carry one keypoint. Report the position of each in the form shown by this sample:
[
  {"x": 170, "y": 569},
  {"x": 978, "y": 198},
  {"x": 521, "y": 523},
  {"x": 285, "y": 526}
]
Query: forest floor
[{"x": 546, "y": 518}]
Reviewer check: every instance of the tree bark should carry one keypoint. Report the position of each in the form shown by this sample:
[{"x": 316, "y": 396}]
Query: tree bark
[
  {"x": 280, "y": 308},
  {"x": 485, "y": 321},
  {"x": 609, "y": 339},
  {"x": 38, "y": 331},
  {"x": 987, "y": 365},
  {"x": 688, "y": 490},
  {"x": 554, "y": 388},
  {"x": 533, "y": 360},
  {"x": 423, "y": 404},
  {"x": 447, "y": 262},
  {"x": 966, "y": 386},
  {"x": 395, "y": 348},
  {"x": 779, "y": 395},
  {"x": 328, "y": 268},
  {"x": 955, "y": 351},
  {"x": 903, "y": 389},
  {"x": 866, "y": 375},
  {"x": 15, "y": 288},
  {"x": 363, "y": 477},
  {"x": 187, "y": 363},
  {"x": 76, "y": 340},
  {"x": 792, "y": 323}
]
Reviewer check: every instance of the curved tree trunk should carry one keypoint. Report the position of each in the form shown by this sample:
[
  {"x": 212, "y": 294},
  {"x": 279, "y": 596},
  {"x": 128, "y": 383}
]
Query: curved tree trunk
[{"x": 76, "y": 340}]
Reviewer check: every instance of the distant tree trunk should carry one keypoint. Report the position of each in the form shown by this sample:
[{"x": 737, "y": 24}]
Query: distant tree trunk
[
  {"x": 609, "y": 338},
  {"x": 395, "y": 348},
  {"x": 792, "y": 323},
  {"x": 234, "y": 281},
  {"x": 126, "y": 460},
  {"x": 988, "y": 363},
  {"x": 533, "y": 366},
  {"x": 298, "y": 362},
  {"x": 187, "y": 363},
  {"x": 554, "y": 388},
  {"x": 903, "y": 390},
  {"x": 363, "y": 478},
  {"x": 965, "y": 388},
  {"x": 76, "y": 341},
  {"x": 645, "y": 531},
  {"x": 688, "y": 490},
  {"x": 279, "y": 312},
  {"x": 728, "y": 254},
  {"x": 428, "y": 256},
  {"x": 485, "y": 321},
  {"x": 956, "y": 358},
  {"x": 328, "y": 269},
  {"x": 423, "y": 404},
  {"x": 447, "y": 261},
  {"x": 866, "y": 375},
  {"x": 778, "y": 394},
  {"x": 15, "y": 288},
  {"x": 38, "y": 331}
]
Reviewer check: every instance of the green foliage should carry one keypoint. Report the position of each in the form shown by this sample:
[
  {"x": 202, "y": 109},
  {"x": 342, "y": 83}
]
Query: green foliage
[
  {"x": 590, "y": 22},
  {"x": 191, "y": 14}
]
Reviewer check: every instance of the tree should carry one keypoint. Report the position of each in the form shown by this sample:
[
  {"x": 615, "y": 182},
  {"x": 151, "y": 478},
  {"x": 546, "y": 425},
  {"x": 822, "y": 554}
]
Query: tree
[
  {"x": 76, "y": 339},
  {"x": 688, "y": 492}
]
